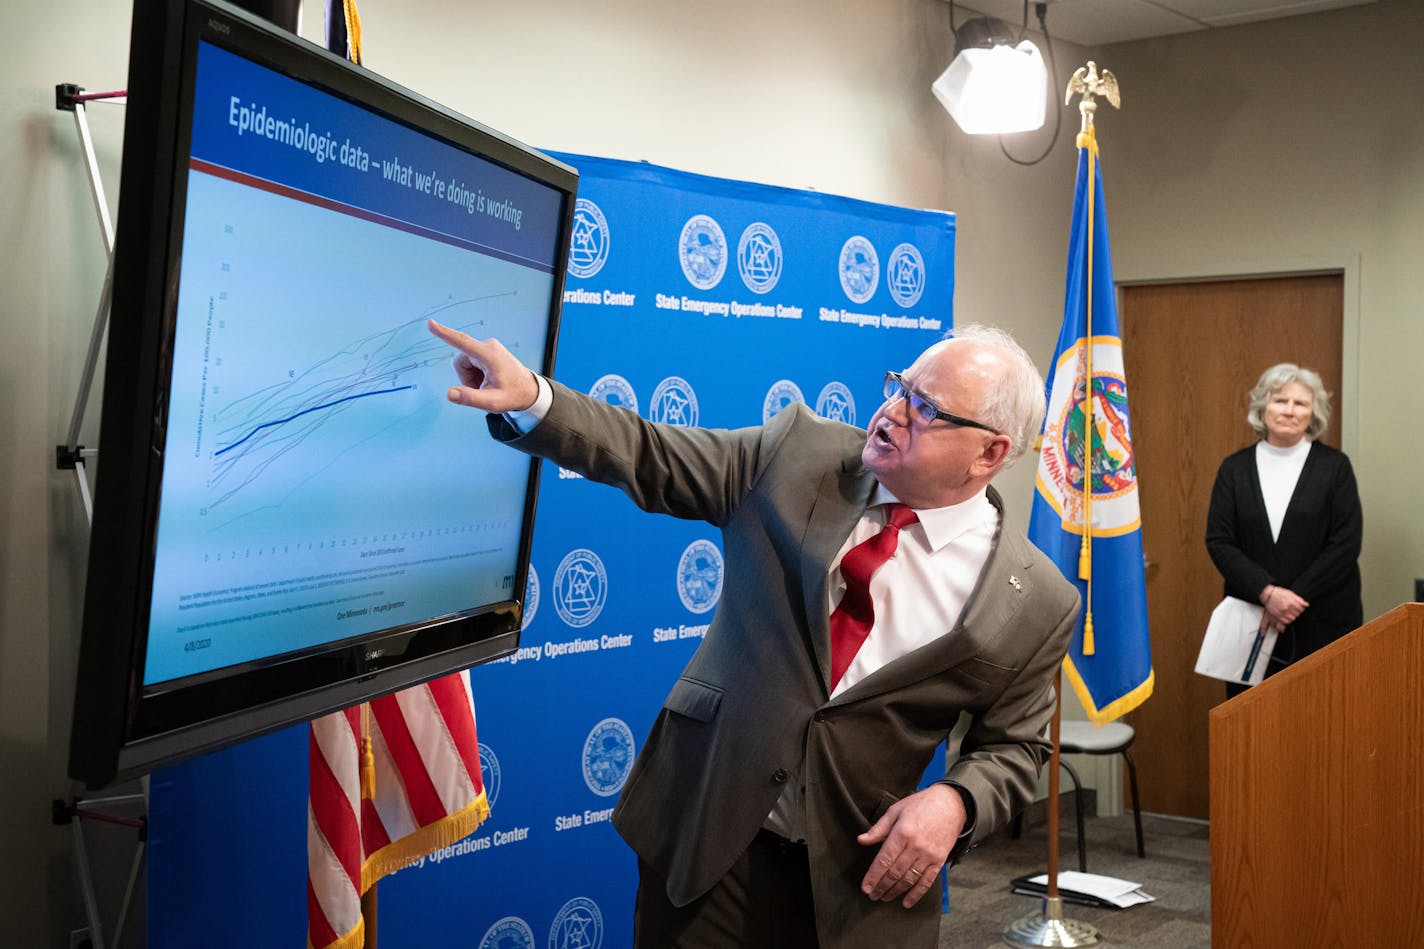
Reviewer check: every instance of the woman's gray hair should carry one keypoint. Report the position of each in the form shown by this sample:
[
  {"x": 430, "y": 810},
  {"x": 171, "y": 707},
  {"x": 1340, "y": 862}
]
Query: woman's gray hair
[
  {"x": 1015, "y": 407},
  {"x": 1283, "y": 374}
]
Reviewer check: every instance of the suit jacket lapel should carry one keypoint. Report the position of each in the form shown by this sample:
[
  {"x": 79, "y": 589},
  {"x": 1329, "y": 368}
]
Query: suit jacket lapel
[
  {"x": 988, "y": 612},
  {"x": 841, "y": 499}
]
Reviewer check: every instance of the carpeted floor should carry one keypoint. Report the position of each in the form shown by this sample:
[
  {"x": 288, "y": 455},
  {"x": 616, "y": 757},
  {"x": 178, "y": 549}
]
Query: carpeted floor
[{"x": 1176, "y": 872}]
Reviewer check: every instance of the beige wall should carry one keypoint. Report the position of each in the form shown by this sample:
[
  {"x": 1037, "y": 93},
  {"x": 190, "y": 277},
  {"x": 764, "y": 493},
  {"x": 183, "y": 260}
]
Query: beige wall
[
  {"x": 814, "y": 94},
  {"x": 51, "y": 266},
  {"x": 1297, "y": 145},
  {"x": 1244, "y": 175}
]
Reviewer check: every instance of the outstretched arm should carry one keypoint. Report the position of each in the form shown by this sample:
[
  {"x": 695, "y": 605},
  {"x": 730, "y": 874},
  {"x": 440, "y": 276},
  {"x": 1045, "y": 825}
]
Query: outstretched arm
[{"x": 691, "y": 473}]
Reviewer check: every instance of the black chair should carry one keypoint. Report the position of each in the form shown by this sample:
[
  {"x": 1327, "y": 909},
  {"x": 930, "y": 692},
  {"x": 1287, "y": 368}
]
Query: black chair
[
  {"x": 1114, "y": 738},
  {"x": 1082, "y": 738}
]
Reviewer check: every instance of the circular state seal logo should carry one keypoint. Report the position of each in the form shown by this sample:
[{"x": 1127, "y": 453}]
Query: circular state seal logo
[
  {"x": 489, "y": 773},
  {"x": 588, "y": 244},
  {"x": 531, "y": 599},
  {"x": 699, "y": 576},
  {"x": 905, "y": 275},
  {"x": 607, "y": 757},
  {"x": 577, "y": 925},
  {"x": 616, "y": 391},
  {"x": 836, "y": 403},
  {"x": 508, "y": 933},
  {"x": 674, "y": 402},
  {"x": 1112, "y": 472},
  {"x": 759, "y": 257},
  {"x": 860, "y": 269},
  {"x": 580, "y": 587},
  {"x": 702, "y": 248},
  {"x": 782, "y": 393}
]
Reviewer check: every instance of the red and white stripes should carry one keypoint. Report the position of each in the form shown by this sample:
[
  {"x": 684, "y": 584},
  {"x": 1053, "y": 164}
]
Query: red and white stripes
[{"x": 427, "y": 794}]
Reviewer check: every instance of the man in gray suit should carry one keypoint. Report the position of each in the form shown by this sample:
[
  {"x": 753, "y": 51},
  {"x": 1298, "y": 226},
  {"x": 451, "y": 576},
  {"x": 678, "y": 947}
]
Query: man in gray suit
[{"x": 872, "y": 596}]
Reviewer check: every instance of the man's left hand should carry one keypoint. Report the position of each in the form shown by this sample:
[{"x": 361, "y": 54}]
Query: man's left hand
[{"x": 916, "y": 835}]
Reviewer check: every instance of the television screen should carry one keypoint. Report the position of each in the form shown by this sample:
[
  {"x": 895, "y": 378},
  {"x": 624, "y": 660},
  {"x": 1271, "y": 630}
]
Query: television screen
[{"x": 289, "y": 518}]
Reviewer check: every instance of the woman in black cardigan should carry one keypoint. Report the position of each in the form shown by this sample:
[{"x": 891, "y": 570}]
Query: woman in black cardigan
[{"x": 1284, "y": 524}]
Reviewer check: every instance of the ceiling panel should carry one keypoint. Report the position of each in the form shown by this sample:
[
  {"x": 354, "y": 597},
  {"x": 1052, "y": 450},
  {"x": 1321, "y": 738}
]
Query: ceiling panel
[
  {"x": 1232, "y": 12},
  {"x": 1100, "y": 22}
]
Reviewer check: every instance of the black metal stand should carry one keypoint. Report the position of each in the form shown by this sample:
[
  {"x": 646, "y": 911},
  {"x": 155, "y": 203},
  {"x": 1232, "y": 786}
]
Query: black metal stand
[
  {"x": 96, "y": 809},
  {"x": 72, "y": 456}
]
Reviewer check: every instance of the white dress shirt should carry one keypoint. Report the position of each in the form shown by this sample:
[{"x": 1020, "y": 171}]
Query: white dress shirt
[
  {"x": 921, "y": 590},
  {"x": 919, "y": 594}
]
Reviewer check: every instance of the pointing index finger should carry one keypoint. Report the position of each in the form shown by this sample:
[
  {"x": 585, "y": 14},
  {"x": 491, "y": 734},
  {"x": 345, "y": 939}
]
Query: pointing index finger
[{"x": 461, "y": 341}]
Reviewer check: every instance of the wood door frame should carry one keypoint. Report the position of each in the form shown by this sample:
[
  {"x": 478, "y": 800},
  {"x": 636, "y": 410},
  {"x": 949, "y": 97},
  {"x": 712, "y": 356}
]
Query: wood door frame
[
  {"x": 1108, "y": 774},
  {"x": 1211, "y": 270}
]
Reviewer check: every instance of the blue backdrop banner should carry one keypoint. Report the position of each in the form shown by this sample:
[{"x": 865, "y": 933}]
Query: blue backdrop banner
[{"x": 692, "y": 301}]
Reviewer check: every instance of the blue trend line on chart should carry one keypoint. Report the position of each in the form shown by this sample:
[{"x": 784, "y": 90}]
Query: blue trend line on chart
[
  {"x": 287, "y": 423},
  {"x": 315, "y": 408}
]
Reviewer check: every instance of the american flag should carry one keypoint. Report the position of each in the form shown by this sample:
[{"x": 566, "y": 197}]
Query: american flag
[
  {"x": 420, "y": 788},
  {"x": 424, "y": 792}
]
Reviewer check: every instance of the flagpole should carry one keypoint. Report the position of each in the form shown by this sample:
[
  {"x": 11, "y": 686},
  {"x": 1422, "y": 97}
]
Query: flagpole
[
  {"x": 1049, "y": 928},
  {"x": 1087, "y": 139},
  {"x": 1087, "y": 83},
  {"x": 368, "y": 793},
  {"x": 1053, "y": 784}
]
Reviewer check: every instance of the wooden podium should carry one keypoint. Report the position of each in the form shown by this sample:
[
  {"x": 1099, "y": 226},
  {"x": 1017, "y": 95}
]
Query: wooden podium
[{"x": 1317, "y": 797}]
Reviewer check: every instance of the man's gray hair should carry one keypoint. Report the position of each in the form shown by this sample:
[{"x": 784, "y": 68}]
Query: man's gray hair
[
  {"x": 1017, "y": 405},
  {"x": 1283, "y": 374}
]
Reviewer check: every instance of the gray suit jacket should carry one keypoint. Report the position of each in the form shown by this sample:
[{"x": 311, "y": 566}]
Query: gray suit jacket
[{"x": 751, "y": 710}]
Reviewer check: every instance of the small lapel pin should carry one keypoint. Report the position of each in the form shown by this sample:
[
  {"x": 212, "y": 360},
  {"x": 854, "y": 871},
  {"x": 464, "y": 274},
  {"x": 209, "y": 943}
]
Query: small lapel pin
[{"x": 1014, "y": 582}]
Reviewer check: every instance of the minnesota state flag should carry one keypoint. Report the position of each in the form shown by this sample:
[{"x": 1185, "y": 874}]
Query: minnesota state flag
[{"x": 1087, "y": 475}]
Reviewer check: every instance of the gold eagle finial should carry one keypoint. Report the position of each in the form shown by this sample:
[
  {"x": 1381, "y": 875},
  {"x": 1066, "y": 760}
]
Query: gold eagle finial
[{"x": 1089, "y": 84}]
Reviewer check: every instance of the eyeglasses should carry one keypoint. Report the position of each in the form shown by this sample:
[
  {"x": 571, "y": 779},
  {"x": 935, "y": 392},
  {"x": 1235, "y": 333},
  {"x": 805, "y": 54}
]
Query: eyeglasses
[{"x": 922, "y": 407}]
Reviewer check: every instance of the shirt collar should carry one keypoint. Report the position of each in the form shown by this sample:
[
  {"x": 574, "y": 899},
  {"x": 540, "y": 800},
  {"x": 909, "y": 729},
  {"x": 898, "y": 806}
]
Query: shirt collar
[{"x": 945, "y": 524}]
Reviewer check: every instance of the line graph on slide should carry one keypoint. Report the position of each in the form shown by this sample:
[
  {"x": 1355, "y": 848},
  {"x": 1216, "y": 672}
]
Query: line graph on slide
[
  {"x": 309, "y": 454},
  {"x": 316, "y": 416},
  {"x": 316, "y": 408},
  {"x": 306, "y": 385}
]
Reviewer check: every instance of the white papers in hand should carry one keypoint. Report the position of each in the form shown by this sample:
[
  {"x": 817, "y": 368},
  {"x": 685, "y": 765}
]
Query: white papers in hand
[{"x": 1233, "y": 648}]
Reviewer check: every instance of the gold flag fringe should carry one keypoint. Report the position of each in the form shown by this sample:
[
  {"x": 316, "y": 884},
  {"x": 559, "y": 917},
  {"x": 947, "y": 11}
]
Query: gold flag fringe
[{"x": 407, "y": 850}]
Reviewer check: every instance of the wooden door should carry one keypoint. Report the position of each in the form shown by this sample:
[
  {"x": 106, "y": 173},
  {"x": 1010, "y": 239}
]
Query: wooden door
[{"x": 1192, "y": 352}]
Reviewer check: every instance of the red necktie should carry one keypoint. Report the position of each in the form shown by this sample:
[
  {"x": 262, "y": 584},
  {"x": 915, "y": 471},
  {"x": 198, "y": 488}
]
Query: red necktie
[{"x": 855, "y": 613}]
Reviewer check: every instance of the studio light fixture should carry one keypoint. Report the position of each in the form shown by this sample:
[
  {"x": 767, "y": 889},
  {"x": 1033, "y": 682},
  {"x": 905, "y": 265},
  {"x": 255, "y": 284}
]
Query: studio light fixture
[{"x": 997, "y": 82}]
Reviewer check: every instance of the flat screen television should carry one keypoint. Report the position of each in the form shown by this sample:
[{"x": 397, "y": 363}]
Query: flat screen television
[{"x": 289, "y": 517}]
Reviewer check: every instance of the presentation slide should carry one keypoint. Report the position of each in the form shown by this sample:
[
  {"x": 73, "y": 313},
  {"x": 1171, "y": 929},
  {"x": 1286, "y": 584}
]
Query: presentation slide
[{"x": 317, "y": 485}]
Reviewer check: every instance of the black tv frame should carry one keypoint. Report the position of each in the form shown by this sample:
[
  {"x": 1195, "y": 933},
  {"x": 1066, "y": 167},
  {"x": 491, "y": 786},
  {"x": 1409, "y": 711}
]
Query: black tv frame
[{"x": 121, "y": 730}]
